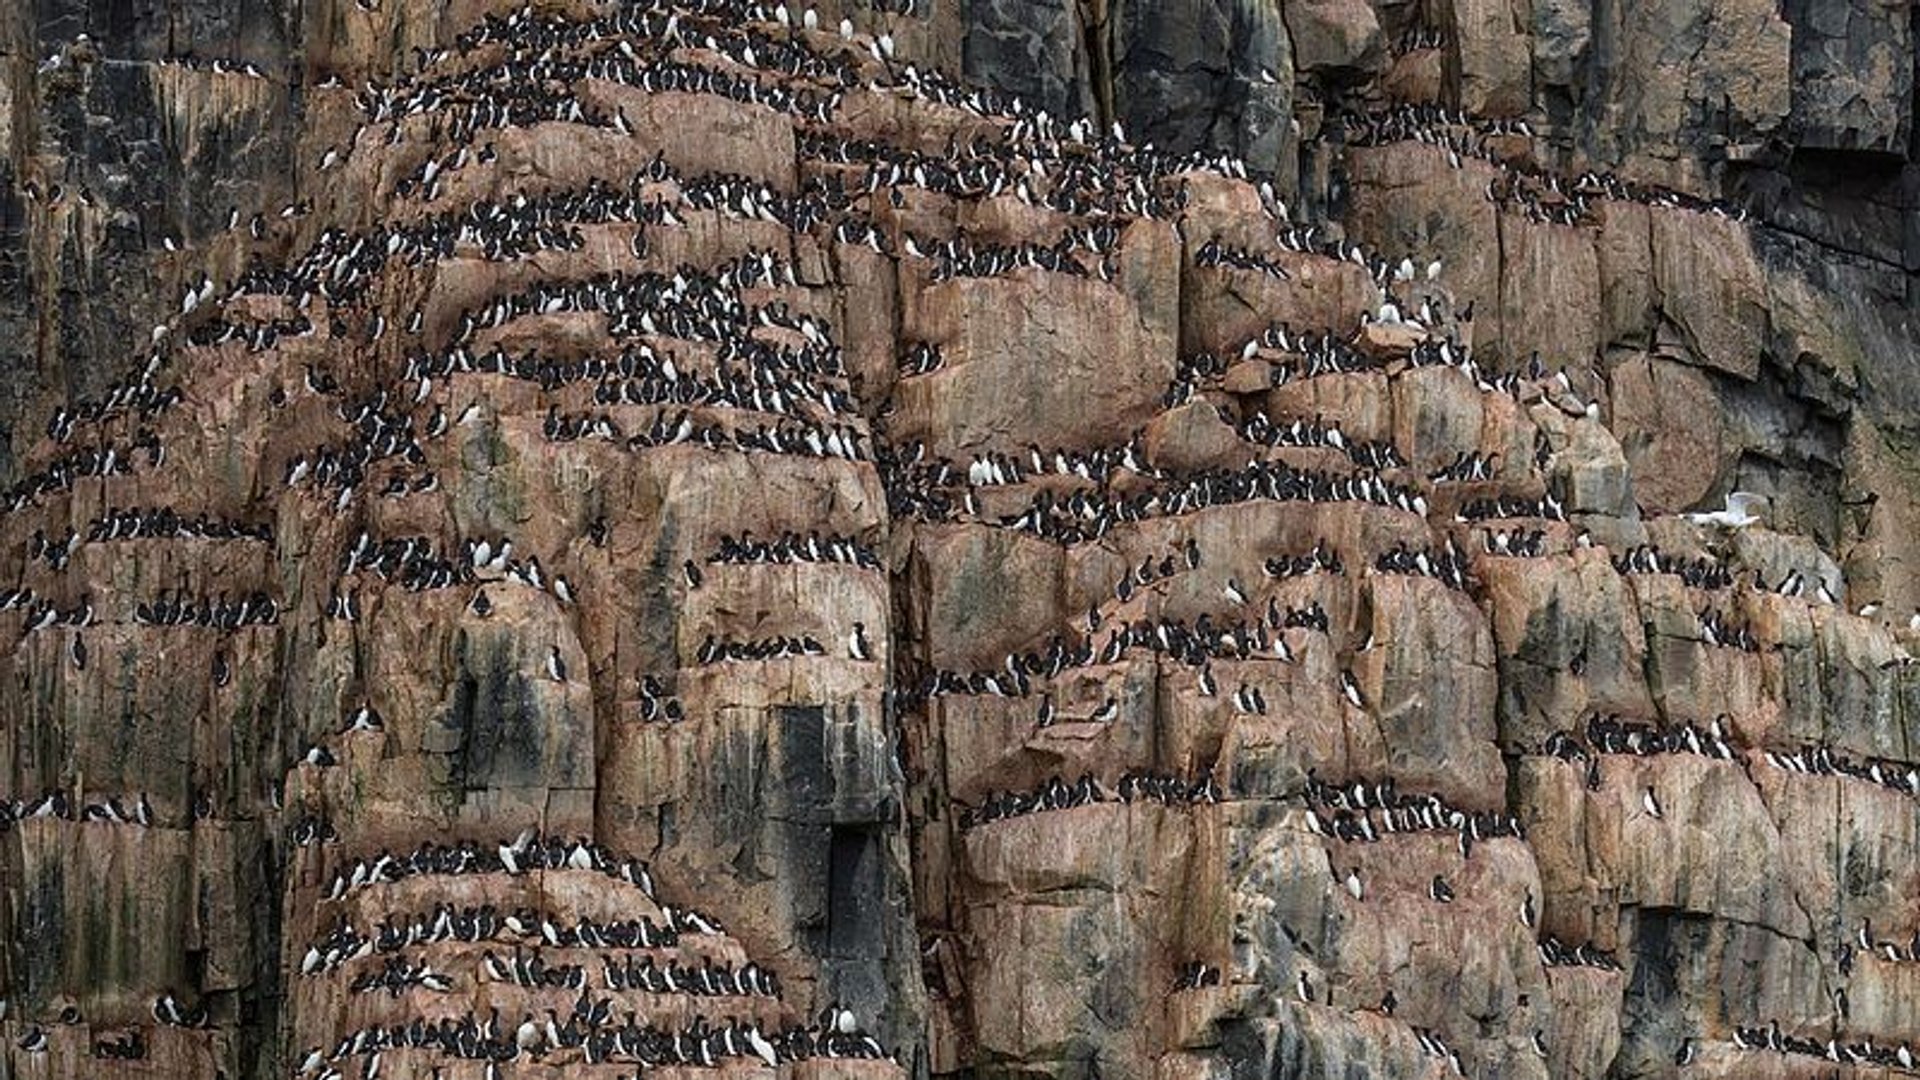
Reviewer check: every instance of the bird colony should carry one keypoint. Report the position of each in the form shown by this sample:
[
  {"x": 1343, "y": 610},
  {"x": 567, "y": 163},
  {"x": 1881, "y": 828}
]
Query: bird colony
[{"x": 702, "y": 544}]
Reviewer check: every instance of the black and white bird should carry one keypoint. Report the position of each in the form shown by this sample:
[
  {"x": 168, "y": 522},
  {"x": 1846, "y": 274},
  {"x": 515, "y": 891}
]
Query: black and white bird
[
  {"x": 1350, "y": 688},
  {"x": 857, "y": 646},
  {"x": 556, "y": 667}
]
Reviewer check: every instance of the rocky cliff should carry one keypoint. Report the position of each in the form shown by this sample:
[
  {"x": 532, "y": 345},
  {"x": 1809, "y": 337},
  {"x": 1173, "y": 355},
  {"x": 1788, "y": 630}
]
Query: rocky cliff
[{"x": 1009, "y": 539}]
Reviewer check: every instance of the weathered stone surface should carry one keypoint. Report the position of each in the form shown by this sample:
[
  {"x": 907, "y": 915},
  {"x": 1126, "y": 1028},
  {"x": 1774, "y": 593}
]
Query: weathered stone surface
[
  {"x": 812, "y": 805},
  {"x": 1020, "y": 361},
  {"x": 1334, "y": 38},
  {"x": 1711, "y": 288},
  {"x": 1193, "y": 437},
  {"x": 1034, "y": 48},
  {"x": 1852, "y": 75},
  {"x": 1188, "y": 74},
  {"x": 1726, "y": 66},
  {"x": 1492, "y": 56},
  {"x": 1668, "y": 421},
  {"x": 1570, "y": 642}
]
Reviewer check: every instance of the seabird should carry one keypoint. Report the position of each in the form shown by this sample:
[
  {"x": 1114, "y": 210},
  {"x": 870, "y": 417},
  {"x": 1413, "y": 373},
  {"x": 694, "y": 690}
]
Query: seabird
[
  {"x": 1649, "y": 803},
  {"x": 1739, "y": 511},
  {"x": 556, "y": 667},
  {"x": 857, "y": 643},
  {"x": 761, "y": 1047},
  {"x": 1351, "y": 688}
]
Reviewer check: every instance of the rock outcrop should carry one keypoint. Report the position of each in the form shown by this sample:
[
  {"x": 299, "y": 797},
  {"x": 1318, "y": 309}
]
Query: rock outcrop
[{"x": 571, "y": 538}]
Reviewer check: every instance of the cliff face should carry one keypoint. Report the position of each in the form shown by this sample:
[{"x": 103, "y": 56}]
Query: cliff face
[{"x": 691, "y": 526}]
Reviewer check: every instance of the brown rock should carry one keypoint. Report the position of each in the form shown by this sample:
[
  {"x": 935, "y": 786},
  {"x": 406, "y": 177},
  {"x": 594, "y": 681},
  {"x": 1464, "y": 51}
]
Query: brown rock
[
  {"x": 1076, "y": 353},
  {"x": 1549, "y": 291},
  {"x": 1570, "y": 642},
  {"x": 1492, "y": 57},
  {"x": 1709, "y": 285},
  {"x": 1408, "y": 198},
  {"x": 1667, "y": 418},
  {"x": 1333, "y": 35},
  {"x": 1194, "y": 437},
  {"x": 1624, "y": 252}
]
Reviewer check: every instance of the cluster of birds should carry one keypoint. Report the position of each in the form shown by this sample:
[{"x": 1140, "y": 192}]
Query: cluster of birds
[
  {"x": 1448, "y": 565},
  {"x": 484, "y": 923},
  {"x": 165, "y": 523},
  {"x": 83, "y": 463},
  {"x": 1319, "y": 559},
  {"x": 1703, "y": 572},
  {"x": 791, "y": 547},
  {"x": 524, "y": 854},
  {"x": 1517, "y": 543},
  {"x": 1196, "y": 975},
  {"x": 397, "y": 976},
  {"x": 642, "y": 974},
  {"x": 919, "y": 358},
  {"x": 1196, "y": 646},
  {"x": 1722, "y": 631},
  {"x": 311, "y": 829},
  {"x": 1771, "y": 1037},
  {"x": 1543, "y": 195},
  {"x": 1501, "y": 507},
  {"x": 994, "y": 469},
  {"x": 57, "y": 805},
  {"x": 221, "y": 612},
  {"x": 1363, "y": 812},
  {"x": 657, "y": 704},
  {"x": 1317, "y": 433},
  {"x": 172, "y": 1012},
  {"x": 1467, "y": 466},
  {"x": 410, "y": 561},
  {"x": 1888, "y": 950},
  {"x": 217, "y": 65},
  {"x": 1898, "y": 776},
  {"x": 1087, "y": 516},
  {"x": 591, "y": 1029},
  {"x": 1056, "y": 794},
  {"x": 1609, "y": 733},
  {"x": 1213, "y": 253},
  {"x": 717, "y": 650},
  {"x": 1556, "y": 953}
]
